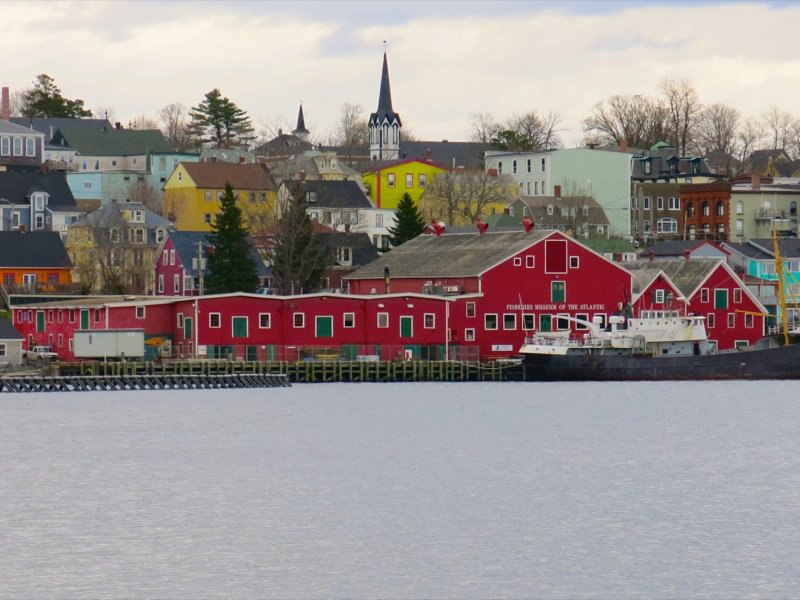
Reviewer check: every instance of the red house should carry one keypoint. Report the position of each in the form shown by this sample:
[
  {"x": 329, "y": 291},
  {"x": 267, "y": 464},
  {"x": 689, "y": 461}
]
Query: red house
[{"x": 708, "y": 288}]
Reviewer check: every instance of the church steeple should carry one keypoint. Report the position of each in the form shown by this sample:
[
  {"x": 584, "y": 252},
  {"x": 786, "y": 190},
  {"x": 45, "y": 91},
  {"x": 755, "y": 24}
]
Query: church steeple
[
  {"x": 384, "y": 123},
  {"x": 300, "y": 131}
]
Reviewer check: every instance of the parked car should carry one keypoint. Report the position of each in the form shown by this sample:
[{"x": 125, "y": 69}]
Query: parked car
[{"x": 41, "y": 353}]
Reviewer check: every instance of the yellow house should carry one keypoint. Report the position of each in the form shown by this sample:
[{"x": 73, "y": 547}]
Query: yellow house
[
  {"x": 193, "y": 192},
  {"x": 387, "y": 181}
]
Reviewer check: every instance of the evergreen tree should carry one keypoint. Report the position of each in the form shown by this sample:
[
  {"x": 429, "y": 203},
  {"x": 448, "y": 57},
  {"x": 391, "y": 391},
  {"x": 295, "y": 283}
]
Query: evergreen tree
[
  {"x": 408, "y": 222},
  {"x": 220, "y": 121},
  {"x": 44, "y": 99},
  {"x": 230, "y": 267},
  {"x": 299, "y": 258}
]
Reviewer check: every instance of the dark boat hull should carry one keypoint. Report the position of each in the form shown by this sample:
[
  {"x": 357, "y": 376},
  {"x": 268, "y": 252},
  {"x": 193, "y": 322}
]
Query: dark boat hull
[{"x": 774, "y": 363}]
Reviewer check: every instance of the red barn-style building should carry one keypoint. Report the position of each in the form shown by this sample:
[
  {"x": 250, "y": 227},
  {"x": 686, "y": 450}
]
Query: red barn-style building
[{"x": 707, "y": 288}]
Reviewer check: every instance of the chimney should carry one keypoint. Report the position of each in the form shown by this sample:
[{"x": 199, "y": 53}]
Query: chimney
[
  {"x": 557, "y": 191},
  {"x": 241, "y": 159},
  {"x": 755, "y": 181},
  {"x": 623, "y": 144},
  {"x": 117, "y": 125},
  {"x": 302, "y": 174},
  {"x": 6, "y": 112},
  {"x": 428, "y": 154}
]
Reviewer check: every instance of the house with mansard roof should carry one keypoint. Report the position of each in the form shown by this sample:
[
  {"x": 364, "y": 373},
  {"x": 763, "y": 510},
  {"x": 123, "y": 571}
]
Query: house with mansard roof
[
  {"x": 36, "y": 201},
  {"x": 33, "y": 261},
  {"x": 580, "y": 215},
  {"x": 21, "y": 148}
]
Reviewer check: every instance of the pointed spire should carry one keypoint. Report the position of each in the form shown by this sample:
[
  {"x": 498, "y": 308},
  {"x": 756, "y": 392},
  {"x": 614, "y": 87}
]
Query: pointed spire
[
  {"x": 301, "y": 123},
  {"x": 385, "y": 97}
]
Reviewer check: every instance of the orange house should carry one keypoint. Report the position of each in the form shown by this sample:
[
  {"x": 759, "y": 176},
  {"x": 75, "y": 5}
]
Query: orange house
[{"x": 33, "y": 260}]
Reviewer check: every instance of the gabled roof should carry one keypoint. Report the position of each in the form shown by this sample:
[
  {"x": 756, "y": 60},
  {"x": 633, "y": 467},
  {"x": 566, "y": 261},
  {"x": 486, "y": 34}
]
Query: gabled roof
[
  {"x": 214, "y": 175},
  {"x": 678, "y": 247},
  {"x": 185, "y": 243},
  {"x": 538, "y": 210},
  {"x": 306, "y": 160},
  {"x": 8, "y": 332},
  {"x": 450, "y": 255},
  {"x": 16, "y": 187},
  {"x": 283, "y": 144},
  {"x": 112, "y": 142},
  {"x": 32, "y": 249},
  {"x": 686, "y": 275},
  {"x": 330, "y": 194},
  {"x": 763, "y": 249},
  {"x": 642, "y": 278},
  {"x": 453, "y": 154},
  {"x": 49, "y": 125}
]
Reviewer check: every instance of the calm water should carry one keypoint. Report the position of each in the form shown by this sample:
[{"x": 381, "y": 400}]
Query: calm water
[{"x": 404, "y": 491}]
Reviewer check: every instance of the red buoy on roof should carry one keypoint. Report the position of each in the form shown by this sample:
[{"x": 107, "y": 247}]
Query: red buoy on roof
[
  {"x": 527, "y": 223},
  {"x": 482, "y": 227}
]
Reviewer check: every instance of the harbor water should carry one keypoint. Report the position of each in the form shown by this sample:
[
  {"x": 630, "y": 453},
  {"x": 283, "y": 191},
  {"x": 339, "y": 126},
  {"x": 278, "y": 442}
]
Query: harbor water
[{"x": 451, "y": 490}]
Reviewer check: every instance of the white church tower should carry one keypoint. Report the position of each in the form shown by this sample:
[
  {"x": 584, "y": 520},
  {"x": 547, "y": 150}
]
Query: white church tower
[{"x": 384, "y": 124}]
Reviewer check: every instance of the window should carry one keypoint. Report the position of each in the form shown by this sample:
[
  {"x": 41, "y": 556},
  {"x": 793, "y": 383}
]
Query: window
[
  {"x": 545, "y": 322},
  {"x": 658, "y": 297},
  {"x": 660, "y": 203},
  {"x": 140, "y": 312},
  {"x": 311, "y": 196},
  {"x": 207, "y": 218},
  {"x": 470, "y": 309},
  {"x": 30, "y": 146},
  {"x": 2, "y": 350},
  {"x": 562, "y": 322},
  {"x": 378, "y": 220},
  {"x": 739, "y": 207},
  {"x": 690, "y": 210},
  {"x": 409, "y": 180},
  {"x": 646, "y": 167},
  {"x": 97, "y": 315},
  {"x": 739, "y": 225},
  {"x": 176, "y": 283},
  {"x": 61, "y": 315},
  {"x": 667, "y": 225},
  {"x": 469, "y": 335},
  {"x": 383, "y": 320},
  {"x": 706, "y": 209},
  {"x": 390, "y": 180},
  {"x": 490, "y": 321},
  {"x": 674, "y": 203},
  {"x": 574, "y": 262},
  {"x": 349, "y": 320},
  {"x": 517, "y": 261},
  {"x": 737, "y": 296},
  {"x": 720, "y": 209},
  {"x": 558, "y": 291},
  {"x": 513, "y": 166},
  {"x": 159, "y": 235},
  {"x": 583, "y": 320},
  {"x": 530, "y": 261},
  {"x": 423, "y": 180},
  {"x": 5, "y": 146},
  {"x": 748, "y": 321},
  {"x": 543, "y": 169},
  {"x": 298, "y": 320},
  {"x": 528, "y": 321},
  {"x": 731, "y": 320},
  {"x": 208, "y": 196},
  {"x": 429, "y": 321},
  {"x": 509, "y": 321},
  {"x": 180, "y": 320},
  {"x": 721, "y": 298},
  {"x": 214, "y": 320},
  {"x": 710, "y": 321},
  {"x": 704, "y": 295},
  {"x": 172, "y": 256},
  {"x": 646, "y": 201},
  {"x": 344, "y": 255},
  {"x": 529, "y": 170},
  {"x": 17, "y": 146}
]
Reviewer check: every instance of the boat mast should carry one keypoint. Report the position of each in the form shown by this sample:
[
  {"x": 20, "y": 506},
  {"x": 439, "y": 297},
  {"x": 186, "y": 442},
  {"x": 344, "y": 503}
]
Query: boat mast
[{"x": 781, "y": 284}]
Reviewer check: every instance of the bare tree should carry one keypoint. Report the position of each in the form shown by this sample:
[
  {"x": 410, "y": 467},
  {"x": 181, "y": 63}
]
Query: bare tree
[
  {"x": 638, "y": 121},
  {"x": 463, "y": 196},
  {"x": 175, "y": 125},
  {"x": 749, "y": 138},
  {"x": 105, "y": 112},
  {"x": 683, "y": 110},
  {"x": 483, "y": 127},
  {"x": 17, "y": 102},
  {"x": 351, "y": 132},
  {"x": 716, "y": 131},
  {"x": 778, "y": 127},
  {"x": 143, "y": 122},
  {"x": 150, "y": 197}
]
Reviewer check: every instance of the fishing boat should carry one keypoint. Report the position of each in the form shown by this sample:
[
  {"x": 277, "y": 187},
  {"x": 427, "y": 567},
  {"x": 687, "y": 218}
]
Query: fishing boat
[
  {"x": 655, "y": 345},
  {"x": 658, "y": 345}
]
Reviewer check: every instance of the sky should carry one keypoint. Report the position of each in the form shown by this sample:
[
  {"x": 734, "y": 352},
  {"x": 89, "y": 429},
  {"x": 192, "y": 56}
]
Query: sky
[{"x": 447, "y": 60}]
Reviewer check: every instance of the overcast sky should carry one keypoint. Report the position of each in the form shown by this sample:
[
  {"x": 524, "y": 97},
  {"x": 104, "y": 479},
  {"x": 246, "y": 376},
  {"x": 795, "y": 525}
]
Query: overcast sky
[{"x": 447, "y": 60}]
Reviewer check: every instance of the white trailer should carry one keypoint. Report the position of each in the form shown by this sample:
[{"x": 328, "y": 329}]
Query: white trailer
[{"x": 116, "y": 344}]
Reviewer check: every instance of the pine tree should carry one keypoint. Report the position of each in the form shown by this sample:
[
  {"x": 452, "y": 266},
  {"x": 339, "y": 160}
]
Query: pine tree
[
  {"x": 299, "y": 258},
  {"x": 220, "y": 121},
  {"x": 44, "y": 99},
  {"x": 231, "y": 269},
  {"x": 408, "y": 222}
]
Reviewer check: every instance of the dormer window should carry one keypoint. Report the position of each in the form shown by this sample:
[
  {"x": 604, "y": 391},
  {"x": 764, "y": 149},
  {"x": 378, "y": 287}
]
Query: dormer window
[
  {"x": 38, "y": 201},
  {"x": 137, "y": 216},
  {"x": 344, "y": 255},
  {"x": 646, "y": 167},
  {"x": 311, "y": 197},
  {"x": 549, "y": 209},
  {"x": 113, "y": 235},
  {"x": 160, "y": 234}
]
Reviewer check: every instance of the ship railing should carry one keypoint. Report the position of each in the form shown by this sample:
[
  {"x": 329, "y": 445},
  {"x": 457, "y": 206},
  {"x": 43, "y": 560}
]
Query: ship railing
[{"x": 574, "y": 341}]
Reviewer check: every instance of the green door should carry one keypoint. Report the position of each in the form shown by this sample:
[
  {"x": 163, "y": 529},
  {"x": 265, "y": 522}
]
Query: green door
[
  {"x": 187, "y": 328},
  {"x": 349, "y": 351},
  {"x": 251, "y": 353},
  {"x": 84, "y": 318},
  {"x": 271, "y": 352},
  {"x": 324, "y": 327},
  {"x": 406, "y": 326},
  {"x": 239, "y": 327},
  {"x": 39, "y": 320},
  {"x": 545, "y": 323}
]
